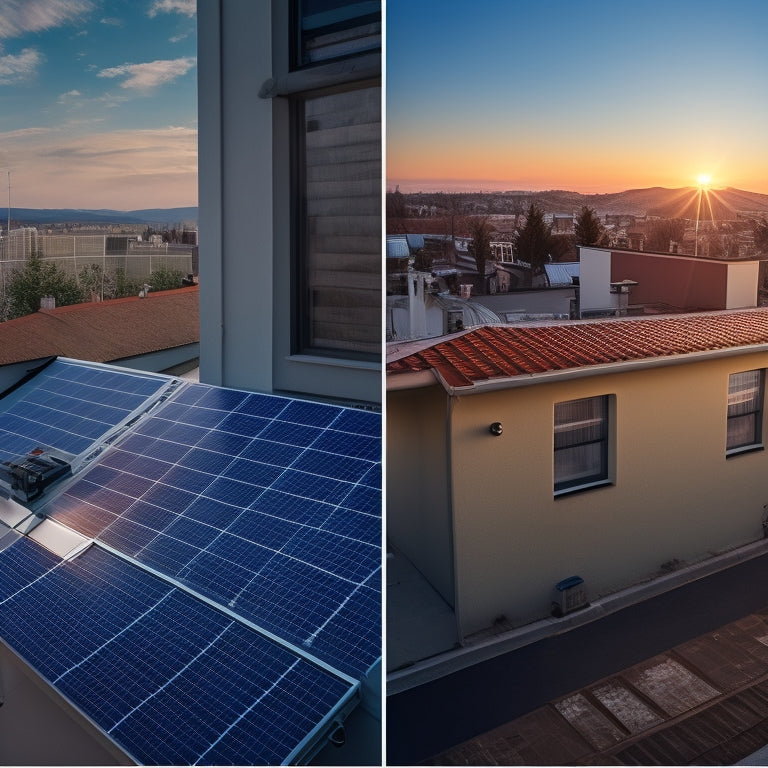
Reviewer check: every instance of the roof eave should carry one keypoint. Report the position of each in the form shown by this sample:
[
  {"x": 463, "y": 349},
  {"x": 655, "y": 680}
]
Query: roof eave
[
  {"x": 623, "y": 366},
  {"x": 414, "y": 380}
]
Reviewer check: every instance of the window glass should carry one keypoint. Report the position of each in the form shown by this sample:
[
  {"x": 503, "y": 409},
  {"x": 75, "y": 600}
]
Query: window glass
[
  {"x": 581, "y": 434},
  {"x": 331, "y": 29},
  {"x": 745, "y": 398},
  {"x": 340, "y": 261}
]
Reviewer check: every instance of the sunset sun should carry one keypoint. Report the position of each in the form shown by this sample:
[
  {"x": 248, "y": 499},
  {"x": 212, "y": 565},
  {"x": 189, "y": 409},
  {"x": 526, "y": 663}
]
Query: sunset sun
[{"x": 703, "y": 179}]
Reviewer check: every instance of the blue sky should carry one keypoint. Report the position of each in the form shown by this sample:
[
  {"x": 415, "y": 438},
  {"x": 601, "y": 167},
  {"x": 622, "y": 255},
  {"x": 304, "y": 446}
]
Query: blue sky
[
  {"x": 594, "y": 95},
  {"x": 98, "y": 103}
]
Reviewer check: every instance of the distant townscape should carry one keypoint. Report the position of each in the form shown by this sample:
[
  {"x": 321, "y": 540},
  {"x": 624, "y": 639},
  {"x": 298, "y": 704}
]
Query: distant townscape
[
  {"x": 54, "y": 258},
  {"x": 493, "y": 257}
]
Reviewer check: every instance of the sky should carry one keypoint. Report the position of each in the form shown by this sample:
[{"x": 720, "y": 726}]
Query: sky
[
  {"x": 591, "y": 96},
  {"x": 98, "y": 103}
]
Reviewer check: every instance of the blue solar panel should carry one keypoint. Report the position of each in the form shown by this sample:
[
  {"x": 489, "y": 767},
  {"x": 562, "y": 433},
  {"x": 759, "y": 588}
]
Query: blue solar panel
[
  {"x": 70, "y": 405},
  {"x": 171, "y": 679},
  {"x": 267, "y": 505}
]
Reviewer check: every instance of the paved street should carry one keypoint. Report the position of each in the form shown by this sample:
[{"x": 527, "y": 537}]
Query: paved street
[{"x": 427, "y": 720}]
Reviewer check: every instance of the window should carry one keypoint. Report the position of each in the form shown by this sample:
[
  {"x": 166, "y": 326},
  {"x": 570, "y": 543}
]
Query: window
[
  {"x": 333, "y": 84},
  {"x": 581, "y": 443},
  {"x": 339, "y": 256},
  {"x": 332, "y": 29},
  {"x": 745, "y": 408}
]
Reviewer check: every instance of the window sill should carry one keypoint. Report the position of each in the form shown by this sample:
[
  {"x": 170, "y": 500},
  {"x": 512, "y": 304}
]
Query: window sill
[
  {"x": 335, "y": 362},
  {"x": 584, "y": 487},
  {"x": 744, "y": 449}
]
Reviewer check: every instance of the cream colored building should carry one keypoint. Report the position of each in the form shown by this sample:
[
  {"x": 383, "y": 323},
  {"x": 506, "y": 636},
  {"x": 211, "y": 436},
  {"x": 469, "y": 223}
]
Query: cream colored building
[{"x": 613, "y": 450}]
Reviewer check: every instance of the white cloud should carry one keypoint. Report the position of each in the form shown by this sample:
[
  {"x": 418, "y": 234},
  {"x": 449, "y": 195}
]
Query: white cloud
[
  {"x": 187, "y": 7},
  {"x": 112, "y": 22},
  {"x": 151, "y": 74},
  {"x": 20, "y": 16},
  {"x": 15, "y": 68},
  {"x": 65, "y": 97}
]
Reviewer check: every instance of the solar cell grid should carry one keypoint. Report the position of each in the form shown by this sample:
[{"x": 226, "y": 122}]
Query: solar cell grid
[
  {"x": 347, "y": 637},
  {"x": 171, "y": 679},
  {"x": 20, "y": 564},
  {"x": 69, "y": 405},
  {"x": 263, "y": 504},
  {"x": 229, "y": 501},
  {"x": 365, "y": 498},
  {"x": 263, "y": 508}
]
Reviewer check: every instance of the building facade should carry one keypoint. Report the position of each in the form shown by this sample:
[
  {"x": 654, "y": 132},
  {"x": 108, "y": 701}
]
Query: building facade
[
  {"x": 614, "y": 451},
  {"x": 290, "y": 197},
  {"x": 665, "y": 282}
]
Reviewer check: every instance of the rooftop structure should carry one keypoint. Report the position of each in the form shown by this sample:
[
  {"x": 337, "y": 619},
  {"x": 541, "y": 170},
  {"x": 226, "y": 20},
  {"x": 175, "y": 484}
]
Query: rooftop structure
[{"x": 627, "y": 436}]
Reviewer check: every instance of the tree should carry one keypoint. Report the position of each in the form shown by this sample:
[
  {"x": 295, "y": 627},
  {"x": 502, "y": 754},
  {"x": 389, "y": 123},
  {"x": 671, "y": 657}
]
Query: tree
[
  {"x": 396, "y": 207},
  {"x": 661, "y": 232},
  {"x": 532, "y": 242},
  {"x": 165, "y": 279},
  {"x": 123, "y": 286},
  {"x": 589, "y": 230},
  {"x": 480, "y": 230},
  {"x": 95, "y": 283},
  {"x": 40, "y": 278},
  {"x": 562, "y": 248},
  {"x": 760, "y": 232}
]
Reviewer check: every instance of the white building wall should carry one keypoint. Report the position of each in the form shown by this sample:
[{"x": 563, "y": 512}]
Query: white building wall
[
  {"x": 743, "y": 280},
  {"x": 595, "y": 279}
]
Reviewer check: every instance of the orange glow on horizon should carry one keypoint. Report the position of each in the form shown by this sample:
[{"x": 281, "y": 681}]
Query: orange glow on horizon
[{"x": 499, "y": 166}]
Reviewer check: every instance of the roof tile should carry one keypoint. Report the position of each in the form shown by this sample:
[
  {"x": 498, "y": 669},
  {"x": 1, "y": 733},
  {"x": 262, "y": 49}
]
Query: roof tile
[{"x": 499, "y": 352}]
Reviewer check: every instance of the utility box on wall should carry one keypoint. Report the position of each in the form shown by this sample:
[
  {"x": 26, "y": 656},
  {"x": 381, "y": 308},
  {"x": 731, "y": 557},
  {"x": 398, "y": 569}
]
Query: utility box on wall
[{"x": 571, "y": 595}]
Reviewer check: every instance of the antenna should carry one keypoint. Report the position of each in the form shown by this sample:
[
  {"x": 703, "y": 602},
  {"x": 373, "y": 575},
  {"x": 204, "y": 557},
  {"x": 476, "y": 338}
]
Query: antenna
[{"x": 9, "y": 203}]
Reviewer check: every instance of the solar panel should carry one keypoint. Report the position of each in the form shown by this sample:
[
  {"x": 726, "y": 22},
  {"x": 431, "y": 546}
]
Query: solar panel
[
  {"x": 233, "y": 596},
  {"x": 267, "y": 505},
  {"x": 171, "y": 679},
  {"x": 70, "y": 406}
]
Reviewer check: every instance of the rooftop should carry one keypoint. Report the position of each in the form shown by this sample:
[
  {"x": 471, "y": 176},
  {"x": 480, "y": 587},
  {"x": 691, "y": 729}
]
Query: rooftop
[
  {"x": 670, "y": 672},
  {"x": 502, "y": 353},
  {"x": 704, "y": 702},
  {"x": 105, "y": 331}
]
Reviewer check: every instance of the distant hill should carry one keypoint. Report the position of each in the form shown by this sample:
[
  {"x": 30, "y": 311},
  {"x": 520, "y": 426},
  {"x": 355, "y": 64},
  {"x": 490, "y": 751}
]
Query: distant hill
[
  {"x": 682, "y": 203},
  {"x": 653, "y": 201},
  {"x": 154, "y": 216}
]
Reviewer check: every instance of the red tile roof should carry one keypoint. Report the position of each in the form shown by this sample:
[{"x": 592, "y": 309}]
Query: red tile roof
[
  {"x": 105, "y": 331},
  {"x": 504, "y": 352}
]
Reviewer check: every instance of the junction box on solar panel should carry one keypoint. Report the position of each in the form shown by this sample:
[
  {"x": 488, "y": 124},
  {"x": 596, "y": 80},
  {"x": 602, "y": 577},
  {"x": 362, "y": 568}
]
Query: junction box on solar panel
[{"x": 27, "y": 477}]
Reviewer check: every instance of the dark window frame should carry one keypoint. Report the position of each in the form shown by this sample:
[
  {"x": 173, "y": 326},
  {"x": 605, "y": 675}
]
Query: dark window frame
[
  {"x": 299, "y": 61},
  {"x": 305, "y": 81},
  {"x": 755, "y": 441},
  {"x": 599, "y": 477}
]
